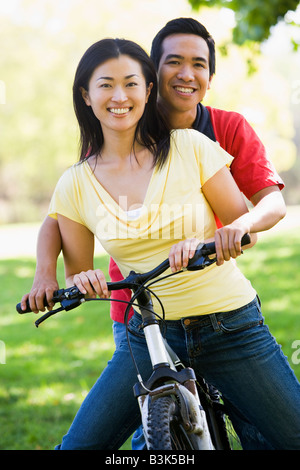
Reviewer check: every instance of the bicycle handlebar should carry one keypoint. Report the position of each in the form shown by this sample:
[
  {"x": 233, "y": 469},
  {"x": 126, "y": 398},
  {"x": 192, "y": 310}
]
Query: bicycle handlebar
[{"x": 71, "y": 297}]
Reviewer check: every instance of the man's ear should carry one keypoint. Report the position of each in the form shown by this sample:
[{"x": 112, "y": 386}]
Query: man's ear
[
  {"x": 148, "y": 92},
  {"x": 209, "y": 81},
  {"x": 85, "y": 96}
]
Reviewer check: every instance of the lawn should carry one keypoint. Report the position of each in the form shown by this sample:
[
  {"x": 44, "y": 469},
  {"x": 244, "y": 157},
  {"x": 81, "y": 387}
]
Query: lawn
[{"x": 46, "y": 372}]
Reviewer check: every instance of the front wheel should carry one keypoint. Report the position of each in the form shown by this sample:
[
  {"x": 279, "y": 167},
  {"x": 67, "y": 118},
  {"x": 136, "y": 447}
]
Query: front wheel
[{"x": 165, "y": 430}]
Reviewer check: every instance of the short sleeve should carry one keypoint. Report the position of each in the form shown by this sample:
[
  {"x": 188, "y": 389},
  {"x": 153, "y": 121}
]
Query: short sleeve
[
  {"x": 209, "y": 155},
  {"x": 64, "y": 200}
]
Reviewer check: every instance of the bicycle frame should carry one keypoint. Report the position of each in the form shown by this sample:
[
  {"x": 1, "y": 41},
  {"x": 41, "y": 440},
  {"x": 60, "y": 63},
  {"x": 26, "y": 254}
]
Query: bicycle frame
[{"x": 167, "y": 380}]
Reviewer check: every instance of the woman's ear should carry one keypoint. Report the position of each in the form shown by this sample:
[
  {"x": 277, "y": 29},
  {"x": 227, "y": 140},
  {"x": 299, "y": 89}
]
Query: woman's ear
[
  {"x": 148, "y": 92},
  {"x": 85, "y": 96}
]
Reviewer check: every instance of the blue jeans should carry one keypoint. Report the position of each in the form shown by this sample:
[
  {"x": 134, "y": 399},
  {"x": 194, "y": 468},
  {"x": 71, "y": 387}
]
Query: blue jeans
[{"x": 234, "y": 351}]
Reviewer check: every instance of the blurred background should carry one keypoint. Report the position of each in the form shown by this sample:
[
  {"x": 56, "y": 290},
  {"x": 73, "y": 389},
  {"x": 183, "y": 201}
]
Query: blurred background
[
  {"x": 42, "y": 42},
  {"x": 45, "y": 373}
]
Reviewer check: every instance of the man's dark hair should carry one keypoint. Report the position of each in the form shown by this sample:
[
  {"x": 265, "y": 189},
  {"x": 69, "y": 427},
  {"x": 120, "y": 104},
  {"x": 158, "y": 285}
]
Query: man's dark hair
[{"x": 183, "y": 26}]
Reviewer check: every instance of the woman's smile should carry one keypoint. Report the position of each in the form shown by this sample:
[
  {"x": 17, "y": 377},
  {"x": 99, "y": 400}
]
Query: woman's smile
[{"x": 119, "y": 111}]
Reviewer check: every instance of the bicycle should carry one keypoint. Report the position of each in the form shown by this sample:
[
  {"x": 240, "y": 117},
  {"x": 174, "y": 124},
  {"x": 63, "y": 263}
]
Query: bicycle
[{"x": 178, "y": 412}]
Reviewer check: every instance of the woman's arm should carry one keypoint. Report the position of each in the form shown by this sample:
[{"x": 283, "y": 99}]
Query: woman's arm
[
  {"x": 78, "y": 252},
  {"x": 227, "y": 202}
]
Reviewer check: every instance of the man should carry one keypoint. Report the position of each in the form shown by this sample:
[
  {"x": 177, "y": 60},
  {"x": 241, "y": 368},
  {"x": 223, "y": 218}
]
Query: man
[{"x": 184, "y": 56}]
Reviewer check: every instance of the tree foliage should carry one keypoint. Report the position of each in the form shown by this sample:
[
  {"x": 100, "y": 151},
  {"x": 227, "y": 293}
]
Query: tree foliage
[{"x": 254, "y": 18}]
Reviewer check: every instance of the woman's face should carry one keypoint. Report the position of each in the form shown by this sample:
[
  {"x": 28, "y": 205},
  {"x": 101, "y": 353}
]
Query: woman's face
[{"x": 118, "y": 93}]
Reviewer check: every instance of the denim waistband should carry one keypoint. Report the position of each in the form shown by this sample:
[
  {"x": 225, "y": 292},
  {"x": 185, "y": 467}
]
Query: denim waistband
[
  {"x": 212, "y": 318},
  {"x": 205, "y": 320}
]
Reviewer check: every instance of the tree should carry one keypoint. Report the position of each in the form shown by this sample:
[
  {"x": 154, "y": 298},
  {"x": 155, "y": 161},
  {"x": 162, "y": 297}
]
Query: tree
[{"x": 254, "y": 18}]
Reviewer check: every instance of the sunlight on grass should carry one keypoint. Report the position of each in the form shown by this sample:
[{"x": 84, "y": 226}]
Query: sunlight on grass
[
  {"x": 54, "y": 394},
  {"x": 27, "y": 350},
  {"x": 49, "y": 370},
  {"x": 24, "y": 272}
]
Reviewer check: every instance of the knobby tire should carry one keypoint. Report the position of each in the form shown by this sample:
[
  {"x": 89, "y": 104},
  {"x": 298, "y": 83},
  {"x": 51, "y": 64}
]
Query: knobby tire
[{"x": 165, "y": 431}]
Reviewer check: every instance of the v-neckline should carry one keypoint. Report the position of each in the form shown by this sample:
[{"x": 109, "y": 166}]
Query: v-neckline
[{"x": 115, "y": 203}]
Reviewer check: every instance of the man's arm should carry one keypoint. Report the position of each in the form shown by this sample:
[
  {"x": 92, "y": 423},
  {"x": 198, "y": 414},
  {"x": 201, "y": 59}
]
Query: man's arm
[
  {"x": 45, "y": 282},
  {"x": 253, "y": 172},
  {"x": 269, "y": 208}
]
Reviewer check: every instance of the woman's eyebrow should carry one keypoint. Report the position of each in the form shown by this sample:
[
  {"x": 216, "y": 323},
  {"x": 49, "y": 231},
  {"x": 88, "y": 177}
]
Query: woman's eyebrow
[
  {"x": 104, "y": 78},
  {"x": 111, "y": 78}
]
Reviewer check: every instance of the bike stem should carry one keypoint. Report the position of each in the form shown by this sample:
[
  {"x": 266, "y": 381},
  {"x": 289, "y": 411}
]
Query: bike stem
[{"x": 154, "y": 339}]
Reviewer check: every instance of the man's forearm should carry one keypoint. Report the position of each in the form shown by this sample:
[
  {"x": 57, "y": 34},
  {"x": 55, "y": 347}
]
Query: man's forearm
[
  {"x": 45, "y": 282},
  {"x": 48, "y": 248},
  {"x": 269, "y": 208}
]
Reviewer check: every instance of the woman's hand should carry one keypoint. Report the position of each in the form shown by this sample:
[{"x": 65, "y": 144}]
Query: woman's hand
[
  {"x": 228, "y": 245},
  {"x": 92, "y": 283},
  {"x": 181, "y": 253}
]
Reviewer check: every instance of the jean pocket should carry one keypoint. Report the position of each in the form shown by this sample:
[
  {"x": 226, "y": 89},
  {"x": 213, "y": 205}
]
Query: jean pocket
[
  {"x": 135, "y": 326},
  {"x": 243, "y": 319}
]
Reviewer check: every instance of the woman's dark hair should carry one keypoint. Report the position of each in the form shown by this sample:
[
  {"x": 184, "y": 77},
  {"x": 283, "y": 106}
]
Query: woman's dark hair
[
  {"x": 152, "y": 131},
  {"x": 183, "y": 26}
]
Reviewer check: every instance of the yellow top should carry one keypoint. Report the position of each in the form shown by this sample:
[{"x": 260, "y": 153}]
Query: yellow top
[{"x": 174, "y": 209}]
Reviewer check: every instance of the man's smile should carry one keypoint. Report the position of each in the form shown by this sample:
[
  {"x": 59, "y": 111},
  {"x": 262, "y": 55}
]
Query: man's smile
[{"x": 184, "y": 90}]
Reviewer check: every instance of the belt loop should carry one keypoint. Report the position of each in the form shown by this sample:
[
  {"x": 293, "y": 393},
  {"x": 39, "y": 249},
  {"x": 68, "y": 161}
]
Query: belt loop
[{"x": 214, "y": 321}]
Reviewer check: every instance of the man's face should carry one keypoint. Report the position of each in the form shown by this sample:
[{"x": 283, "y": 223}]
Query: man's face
[{"x": 183, "y": 72}]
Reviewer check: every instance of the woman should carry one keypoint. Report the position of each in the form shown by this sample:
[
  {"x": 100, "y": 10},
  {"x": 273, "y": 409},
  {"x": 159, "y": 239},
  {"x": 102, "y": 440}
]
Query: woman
[{"x": 132, "y": 193}]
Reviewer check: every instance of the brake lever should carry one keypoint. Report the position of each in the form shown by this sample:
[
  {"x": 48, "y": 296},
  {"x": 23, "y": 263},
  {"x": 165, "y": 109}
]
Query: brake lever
[
  {"x": 68, "y": 298},
  {"x": 203, "y": 262},
  {"x": 201, "y": 259}
]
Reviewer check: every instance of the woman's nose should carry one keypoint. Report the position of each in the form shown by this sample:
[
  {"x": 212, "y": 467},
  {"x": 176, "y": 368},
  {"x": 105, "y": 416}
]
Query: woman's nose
[{"x": 119, "y": 95}]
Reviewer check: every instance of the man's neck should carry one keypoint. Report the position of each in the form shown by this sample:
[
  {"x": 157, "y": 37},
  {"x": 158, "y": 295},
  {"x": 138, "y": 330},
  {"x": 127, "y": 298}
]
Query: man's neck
[{"x": 179, "y": 119}]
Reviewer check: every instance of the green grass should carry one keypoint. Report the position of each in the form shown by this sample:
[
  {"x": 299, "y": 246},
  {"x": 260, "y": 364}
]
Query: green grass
[{"x": 49, "y": 370}]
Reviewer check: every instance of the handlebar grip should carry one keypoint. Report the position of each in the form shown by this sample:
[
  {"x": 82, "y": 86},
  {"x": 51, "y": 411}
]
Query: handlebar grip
[
  {"x": 210, "y": 248},
  {"x": 246, "y": 239},
  {"x": 28, "y": 309}
]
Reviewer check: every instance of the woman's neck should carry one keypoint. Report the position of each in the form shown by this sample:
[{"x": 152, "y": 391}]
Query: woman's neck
[
  {"x": 118, "y": 145},
  {"x": 121, "y": 151}
]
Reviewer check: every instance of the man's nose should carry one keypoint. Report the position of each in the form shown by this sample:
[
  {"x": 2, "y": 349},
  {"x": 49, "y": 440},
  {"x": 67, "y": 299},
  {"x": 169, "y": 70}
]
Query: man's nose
[{"x": 186, "y": 73}]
